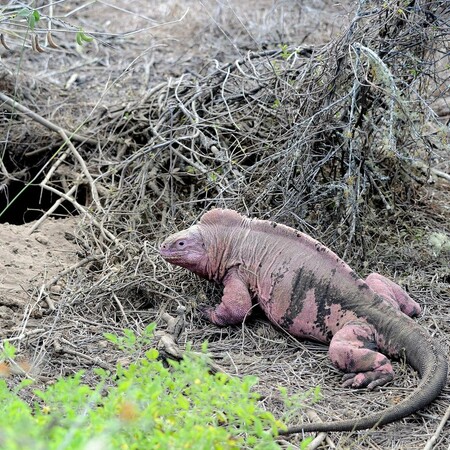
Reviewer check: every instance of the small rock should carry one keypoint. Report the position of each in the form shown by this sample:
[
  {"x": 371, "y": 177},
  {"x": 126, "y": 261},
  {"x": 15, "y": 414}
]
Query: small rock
[
  {"x": 56, "y": 289},
  {"x": 6, "y": 312},
  {"x": 42, "y": 240}
]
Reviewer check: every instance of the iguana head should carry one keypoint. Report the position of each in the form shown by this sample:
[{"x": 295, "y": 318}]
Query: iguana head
[{"x": 186, "y": 249}]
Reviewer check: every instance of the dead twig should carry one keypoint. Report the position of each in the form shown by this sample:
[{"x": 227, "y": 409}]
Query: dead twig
[
  {"x": 51, "y": 210},
  {"x": 430, "y": 443},
  {"x": 321, "y": 436},
  {"x": 64, "y": 272},
  {"x": 83, "y": 168},
  {"x": 94, "y": 360},
  {"x": 14, "y": 106},
  {"x": 119, "y": 304}
]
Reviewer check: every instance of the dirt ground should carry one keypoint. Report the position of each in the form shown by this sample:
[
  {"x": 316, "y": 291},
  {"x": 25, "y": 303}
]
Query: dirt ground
[
  {"x": 139, "y": 44},
  {"x": 30, "y": 261}
]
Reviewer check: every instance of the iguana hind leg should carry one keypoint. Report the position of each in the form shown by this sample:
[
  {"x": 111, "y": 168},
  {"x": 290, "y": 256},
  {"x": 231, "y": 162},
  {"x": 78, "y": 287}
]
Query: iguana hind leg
[
  {"x": 353, "y": 350},
  {"x": 393, "y": 293}
]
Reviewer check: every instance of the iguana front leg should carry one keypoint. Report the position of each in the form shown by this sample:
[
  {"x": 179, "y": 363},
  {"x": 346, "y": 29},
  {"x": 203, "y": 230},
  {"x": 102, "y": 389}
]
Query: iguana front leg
[
  {"x": 353, "y": 350},
  {"x": 236, "y": 302}
]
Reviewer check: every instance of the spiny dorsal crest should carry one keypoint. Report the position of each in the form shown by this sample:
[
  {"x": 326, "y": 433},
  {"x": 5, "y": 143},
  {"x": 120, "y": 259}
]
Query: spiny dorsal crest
[
  {"x": 230, "y": 218},
  {"x": 222, "y": 217}
]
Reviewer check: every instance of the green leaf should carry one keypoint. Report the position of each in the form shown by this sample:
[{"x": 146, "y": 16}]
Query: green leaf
[
  {"x": 33, "y": 18},
  {"x": 78, "y": 38},
  {"x": 152, "y": 354},
  {"x": 9, "y": 351},
  {"x": 317, "y": 395},
  {"x": 305, "y": 443},
  {"x": 81, "y": 37},
  {"x": 86, "y": 38},
  {"x": 31, "y": 21},
  {"x": 149, "y": 329},
  {"x": 183, "y": 402},
  {"x": 24, "y": 12},
  {"x": 131, "y": 337},
  {"x": 111, "y": 338},
  {"x": 23, "y": 384}
]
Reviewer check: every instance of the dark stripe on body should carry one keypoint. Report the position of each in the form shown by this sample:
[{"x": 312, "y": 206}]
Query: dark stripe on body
[{"x": 325, "y": 296}]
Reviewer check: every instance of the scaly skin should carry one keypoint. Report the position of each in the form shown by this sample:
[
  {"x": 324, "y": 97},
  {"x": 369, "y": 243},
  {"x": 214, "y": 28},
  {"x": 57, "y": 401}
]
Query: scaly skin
[{"x": 305, "y": 288}]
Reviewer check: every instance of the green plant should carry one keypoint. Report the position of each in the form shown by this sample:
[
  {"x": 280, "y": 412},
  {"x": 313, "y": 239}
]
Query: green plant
[
  {"x": 10, "y": 20},
  {"x": 149, "y": 404},
  {"x": 31, "y": 15},
  {"x": 81, "y": 37},
  {"x": 285, "y": 53}
]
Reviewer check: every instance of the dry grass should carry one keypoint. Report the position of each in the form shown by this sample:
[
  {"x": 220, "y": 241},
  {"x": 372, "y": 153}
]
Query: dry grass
[{"x": 338, "y": 140}]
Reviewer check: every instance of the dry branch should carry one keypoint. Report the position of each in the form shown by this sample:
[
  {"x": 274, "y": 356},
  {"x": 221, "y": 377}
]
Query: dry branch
[
  {"x": 321, "y": 436},
  {"x": 302, "y": 135},
  {"x": 14, "y": 106},
  {"x": 430, "y": 443}
]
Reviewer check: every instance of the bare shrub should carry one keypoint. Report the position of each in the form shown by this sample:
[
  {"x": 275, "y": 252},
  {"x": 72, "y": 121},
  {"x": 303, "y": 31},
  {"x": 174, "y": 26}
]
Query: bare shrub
[{"x": 325, "y": 136}]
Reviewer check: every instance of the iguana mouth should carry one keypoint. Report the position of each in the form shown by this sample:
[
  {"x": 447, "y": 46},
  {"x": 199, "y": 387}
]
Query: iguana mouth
[{"x": 170, "y": 255}]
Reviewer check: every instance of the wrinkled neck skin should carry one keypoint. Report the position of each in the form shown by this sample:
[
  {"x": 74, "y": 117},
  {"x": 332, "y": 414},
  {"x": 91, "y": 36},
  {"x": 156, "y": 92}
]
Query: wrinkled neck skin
[
  {"x": 232, "y": 247},
  {"x": 199, "y": 268},
  {"x": 224, "y": 246}
]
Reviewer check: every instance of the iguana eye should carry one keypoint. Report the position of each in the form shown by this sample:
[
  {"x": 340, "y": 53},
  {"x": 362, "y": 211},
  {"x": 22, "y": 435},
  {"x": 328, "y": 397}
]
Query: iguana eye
[{"x": 180, "y": 243}]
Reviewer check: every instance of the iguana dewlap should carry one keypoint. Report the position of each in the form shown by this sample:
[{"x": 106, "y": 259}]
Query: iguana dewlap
[{"x": 306, "y": 289}]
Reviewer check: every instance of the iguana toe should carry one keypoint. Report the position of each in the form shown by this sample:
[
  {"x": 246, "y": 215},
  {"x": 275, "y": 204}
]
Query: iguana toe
[
  {"x": 370, "y": 380},
  {"x": 205, "y": 311}
]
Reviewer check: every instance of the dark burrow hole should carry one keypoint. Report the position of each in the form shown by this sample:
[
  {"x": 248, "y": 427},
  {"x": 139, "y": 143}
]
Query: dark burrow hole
[{"x": 20, "y": 204}]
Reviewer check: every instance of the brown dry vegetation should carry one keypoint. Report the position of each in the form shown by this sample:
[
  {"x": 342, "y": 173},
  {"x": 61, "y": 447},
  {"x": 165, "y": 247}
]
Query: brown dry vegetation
[{"x": 332, "y": 118}]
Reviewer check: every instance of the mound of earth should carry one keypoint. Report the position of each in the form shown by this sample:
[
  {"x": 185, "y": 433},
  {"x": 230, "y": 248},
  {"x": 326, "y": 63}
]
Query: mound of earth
[{"x": 30, "y": 262}]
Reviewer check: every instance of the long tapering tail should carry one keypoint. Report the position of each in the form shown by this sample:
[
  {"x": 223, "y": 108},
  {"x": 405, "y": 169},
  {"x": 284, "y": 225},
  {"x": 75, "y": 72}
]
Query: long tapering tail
[{"x": 425, "y": 356}]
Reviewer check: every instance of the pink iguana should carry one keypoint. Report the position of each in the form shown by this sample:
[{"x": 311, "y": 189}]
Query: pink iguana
[{"x": 306, "y": 289}]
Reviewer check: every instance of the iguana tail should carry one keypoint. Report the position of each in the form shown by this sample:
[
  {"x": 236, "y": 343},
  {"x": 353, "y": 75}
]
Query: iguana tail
[{"x": 425, "y": 356}]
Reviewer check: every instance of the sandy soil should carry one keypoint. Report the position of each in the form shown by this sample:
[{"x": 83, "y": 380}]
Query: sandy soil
[{"x": 30, "y": 261}]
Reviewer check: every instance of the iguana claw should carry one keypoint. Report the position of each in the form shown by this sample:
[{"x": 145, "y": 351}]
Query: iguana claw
[
  {"x": 205, "y": 311},
  {"x": 370, "y": 380}
]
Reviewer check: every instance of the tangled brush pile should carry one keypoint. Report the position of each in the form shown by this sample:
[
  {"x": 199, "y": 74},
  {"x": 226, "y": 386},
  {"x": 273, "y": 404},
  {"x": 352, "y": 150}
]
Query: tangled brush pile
[{"x": 324, "y": 136}]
